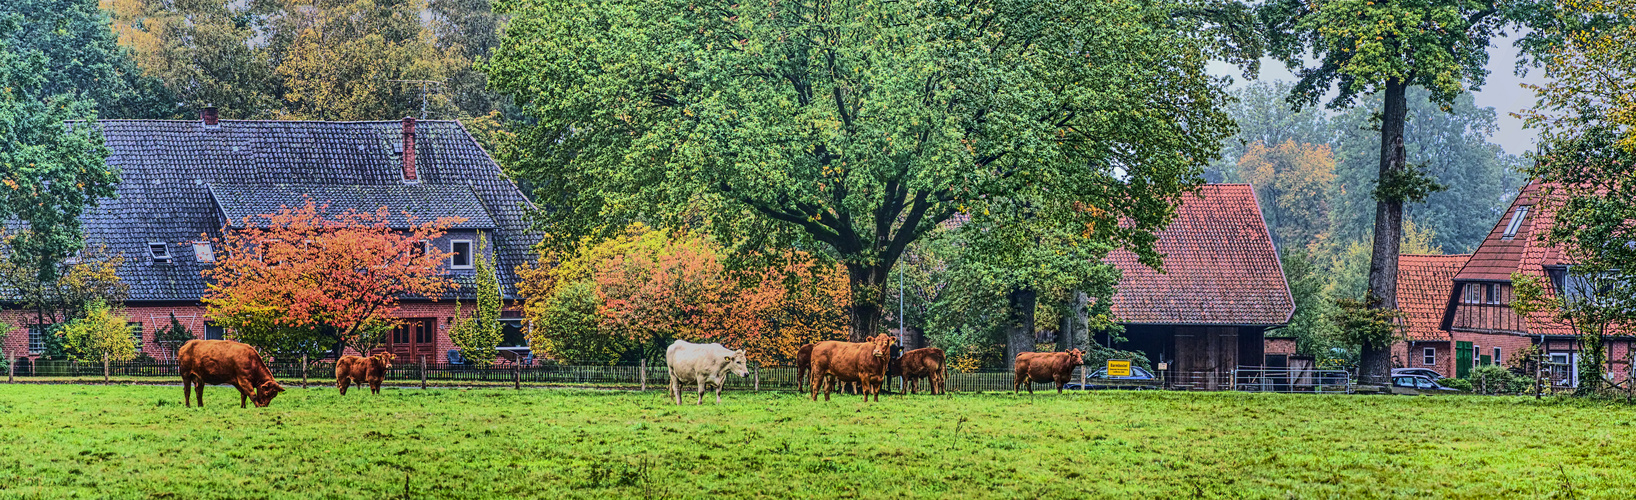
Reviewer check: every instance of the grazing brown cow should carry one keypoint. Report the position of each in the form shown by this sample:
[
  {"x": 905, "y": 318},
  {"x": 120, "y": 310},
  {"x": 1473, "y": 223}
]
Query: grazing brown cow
[
  {"x": 844, "y": 362},
  {"x": 225, "y": 362},
  {"x": 361, "y": 370},
  {"x": 803, "y": 364},
  {"x": 924, "y": 363},
  {"x": 1046, "y": 367}
]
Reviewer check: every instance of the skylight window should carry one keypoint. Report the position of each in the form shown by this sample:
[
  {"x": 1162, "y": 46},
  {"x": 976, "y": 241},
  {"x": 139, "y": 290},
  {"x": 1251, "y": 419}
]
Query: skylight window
[
  {"x": 161, "y": 252},
  {"x": 1516, "y": 222}
]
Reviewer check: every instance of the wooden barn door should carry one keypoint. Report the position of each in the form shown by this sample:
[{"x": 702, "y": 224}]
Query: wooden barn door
[{"x": 415, "y": 338}]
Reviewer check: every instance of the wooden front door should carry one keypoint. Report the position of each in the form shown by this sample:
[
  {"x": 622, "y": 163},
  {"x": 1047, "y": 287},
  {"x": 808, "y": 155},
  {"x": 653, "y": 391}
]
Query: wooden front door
[{"x": 414, "y": 338}]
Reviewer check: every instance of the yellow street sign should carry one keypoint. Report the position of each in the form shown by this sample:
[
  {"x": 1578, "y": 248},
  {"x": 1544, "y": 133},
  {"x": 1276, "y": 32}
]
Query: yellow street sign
[{"x": 1118, "y": 368}]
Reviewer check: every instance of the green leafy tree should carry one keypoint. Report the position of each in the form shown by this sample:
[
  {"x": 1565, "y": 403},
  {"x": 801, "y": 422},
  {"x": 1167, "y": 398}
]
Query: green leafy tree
[
  {"x": 1312, "y": 326},
  {"x": 1453, "y": 145},
  {"x": 1265, "y": 116},
  {"x": 1367, "y": 47},
  {"x": 336, "y": 59},
  {"x": 205, "y": 52},
  {"x": 1292, "y": 183},
  {"x": 83, "y": 58},
  {"x": 856, "y": 127},
  {"x": 102, "y": 334},
  {"x": 478, "y": 335},
  {"x": 566, "y": 327}
]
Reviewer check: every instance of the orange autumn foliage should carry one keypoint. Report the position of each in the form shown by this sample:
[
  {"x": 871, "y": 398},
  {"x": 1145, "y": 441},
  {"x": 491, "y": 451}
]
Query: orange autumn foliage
[
  {"x": 303, "y": 268},
  {"x": 653, "y": 286}
]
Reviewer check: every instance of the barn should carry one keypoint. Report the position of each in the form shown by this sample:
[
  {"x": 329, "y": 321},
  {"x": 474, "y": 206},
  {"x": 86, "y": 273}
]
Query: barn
[{"x": 1220, "y": 290}]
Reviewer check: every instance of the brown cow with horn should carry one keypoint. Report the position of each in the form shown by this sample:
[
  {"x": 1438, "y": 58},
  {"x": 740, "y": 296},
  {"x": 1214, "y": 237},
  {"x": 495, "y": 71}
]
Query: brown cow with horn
[
  {"x": 1046, "y": 367},
  {"x": 844, "y": 362},
  {"x": 225, "y": 362}
]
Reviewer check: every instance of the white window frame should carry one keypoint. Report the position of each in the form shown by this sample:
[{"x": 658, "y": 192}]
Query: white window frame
[
  {"x": 203, "y": 251},
  {"x": 36, "y": 337},
  {"x": 1496, "y": 355},
  {"x": 1517, "y": 216},
  {"x": 136, "y": 334},
  {"x": 163, "y": 253},
  {"x": 455, "y": 254},
  {"x": 1491, "y": 293},
  {"x": 1428, "y": 356}
]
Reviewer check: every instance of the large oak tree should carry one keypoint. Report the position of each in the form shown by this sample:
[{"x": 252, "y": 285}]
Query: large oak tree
[
  {"x": 855, "y": 127},
  {"x": 1384, "y": 46}
]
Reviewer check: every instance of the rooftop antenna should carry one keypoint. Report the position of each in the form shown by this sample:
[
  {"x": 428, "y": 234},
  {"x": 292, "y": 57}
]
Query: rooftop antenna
[{"x": 425, "y": 87}]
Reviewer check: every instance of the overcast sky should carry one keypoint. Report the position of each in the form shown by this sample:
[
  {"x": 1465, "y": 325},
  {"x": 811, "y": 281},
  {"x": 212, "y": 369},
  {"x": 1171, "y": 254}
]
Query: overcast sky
[{"x": 1502, "y": 91}]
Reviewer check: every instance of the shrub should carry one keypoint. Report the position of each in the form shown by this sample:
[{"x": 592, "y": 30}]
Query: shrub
[
  {"x": 1457, "y": 383},
  {"x": 1494, "y": 379}
]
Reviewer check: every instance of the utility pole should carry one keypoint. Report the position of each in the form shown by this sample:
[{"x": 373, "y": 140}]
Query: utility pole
[{"x": 425, "y": 87}]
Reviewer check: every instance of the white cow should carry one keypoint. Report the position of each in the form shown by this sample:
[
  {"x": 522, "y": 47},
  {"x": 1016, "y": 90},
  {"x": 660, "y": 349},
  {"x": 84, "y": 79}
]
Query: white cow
[{"x": 703, "y": 364}]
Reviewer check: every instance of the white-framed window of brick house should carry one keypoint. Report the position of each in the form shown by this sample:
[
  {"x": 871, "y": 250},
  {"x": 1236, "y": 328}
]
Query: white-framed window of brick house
[
  {"x": 1496, "y": 356},
  {"x": 1474, "y": 293},
  {"x": 1428, "y": 356},
  {"x": 36, "y": 338},
  {"x": 460, "y": 254},
  {"x": 159, "y": 250},
  {"x": 136, "y": 334}
]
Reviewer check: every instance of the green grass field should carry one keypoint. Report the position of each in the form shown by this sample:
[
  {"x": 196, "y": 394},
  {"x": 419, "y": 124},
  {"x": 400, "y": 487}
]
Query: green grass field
[{"x": 139, "y": 442}]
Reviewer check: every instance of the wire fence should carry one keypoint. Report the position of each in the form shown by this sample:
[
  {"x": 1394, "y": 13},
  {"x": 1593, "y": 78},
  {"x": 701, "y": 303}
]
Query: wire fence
[{"x": 623, "y": 377}]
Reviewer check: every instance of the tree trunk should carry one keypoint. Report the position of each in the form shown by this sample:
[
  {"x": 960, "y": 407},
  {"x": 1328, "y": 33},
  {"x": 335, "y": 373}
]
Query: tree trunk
[
  {"x": 1019, "y": 334},
  {"x": 868, "y": 285},
  {"x": 1375, "y": 361}
]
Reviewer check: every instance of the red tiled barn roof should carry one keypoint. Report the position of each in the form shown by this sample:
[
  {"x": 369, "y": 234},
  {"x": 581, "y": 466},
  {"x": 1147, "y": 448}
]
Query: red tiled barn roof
[
  {"x": 1424, "y": 283},
  {"x": 1219, "y": 262}
]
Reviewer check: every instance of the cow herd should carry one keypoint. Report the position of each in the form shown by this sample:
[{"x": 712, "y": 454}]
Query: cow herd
[{"x": 867, "y": 366}]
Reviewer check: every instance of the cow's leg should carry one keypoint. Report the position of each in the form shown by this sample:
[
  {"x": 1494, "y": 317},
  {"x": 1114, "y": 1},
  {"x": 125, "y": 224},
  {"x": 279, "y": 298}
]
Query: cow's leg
[
  {"x": 675, "y": 388},
  {"x": 701, "y": 390},
  {"x": 1016, "y": 384},
  {"x": 814, "y": 379},
  {"x": 187, "y": 392},
  {"x": 374, "y": 387},
  {"x": 720, "y": 383},
  {"x": 198, "y": 392},
  {"x": 244, "y": 391}
]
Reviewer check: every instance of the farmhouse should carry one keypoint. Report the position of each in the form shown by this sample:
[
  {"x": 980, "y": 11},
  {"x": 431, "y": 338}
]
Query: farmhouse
[
  {"x": 1221, "y": 289},
  {"x": 1423, "y": 283},
  {"x": 1477, "y": 310},
  {"x": 182, "y": 182}
]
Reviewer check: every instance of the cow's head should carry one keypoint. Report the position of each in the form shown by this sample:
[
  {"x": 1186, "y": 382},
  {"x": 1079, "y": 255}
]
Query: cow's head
[
  {"x": 737, "y": 364},
  {"x": 264, "y": 394},
  {"x": 386, "y": 359},
  {"x": 883, "y": 345},
  {"x": 1078, "y": 356}
]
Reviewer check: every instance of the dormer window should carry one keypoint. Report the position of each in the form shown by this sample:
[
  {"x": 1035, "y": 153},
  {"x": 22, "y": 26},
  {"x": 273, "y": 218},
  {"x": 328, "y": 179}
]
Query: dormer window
[
  {"x": 161, "y": 252},
  {"x": 1516, "y": 222},
  {"x": 461, "y": 258}
]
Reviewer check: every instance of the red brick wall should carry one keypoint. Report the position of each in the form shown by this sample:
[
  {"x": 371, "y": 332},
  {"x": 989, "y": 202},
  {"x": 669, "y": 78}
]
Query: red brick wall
[
  {"x": 1274, "y": 345},
  {"x": 1411, "y": 354},
  {"x": 193, "y": 316}
]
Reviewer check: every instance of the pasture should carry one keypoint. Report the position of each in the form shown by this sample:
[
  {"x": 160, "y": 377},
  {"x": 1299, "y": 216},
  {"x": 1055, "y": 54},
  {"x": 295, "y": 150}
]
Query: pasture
[{"x": 139, "y": 442}]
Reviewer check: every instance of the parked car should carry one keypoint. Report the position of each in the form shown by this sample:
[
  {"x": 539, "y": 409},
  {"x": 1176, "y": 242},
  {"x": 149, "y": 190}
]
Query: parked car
[
  {"x": 1424, "y": 372},
  {"x": 1419, "y": 383},
  {"x": 1137, "y": 374}
]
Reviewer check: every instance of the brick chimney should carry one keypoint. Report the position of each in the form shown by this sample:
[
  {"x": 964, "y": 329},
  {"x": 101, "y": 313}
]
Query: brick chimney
[
  {"x": 208, "y": 116},
  {"x": 410, "y": 175}
]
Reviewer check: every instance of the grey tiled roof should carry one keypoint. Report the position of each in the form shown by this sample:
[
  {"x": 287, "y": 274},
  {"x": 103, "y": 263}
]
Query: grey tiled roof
[
  {"x": 168, "y": 169},
  {"x": 240, "y": 203}
]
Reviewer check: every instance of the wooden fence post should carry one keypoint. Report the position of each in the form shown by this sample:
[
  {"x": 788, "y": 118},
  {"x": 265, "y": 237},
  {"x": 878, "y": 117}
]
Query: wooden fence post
[
  {"x": 517, "y": 376},
  {"x": 423, "y": 372},
  {"x": 642, "y": 374},
  {"x": 757, "y": 374},
  {"x": 1082, "y": 370},
  {"x": 303, "y": 370},
  {"x": 11, "y": 368},
  {"x": 105, "y": 368}
]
